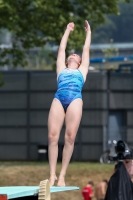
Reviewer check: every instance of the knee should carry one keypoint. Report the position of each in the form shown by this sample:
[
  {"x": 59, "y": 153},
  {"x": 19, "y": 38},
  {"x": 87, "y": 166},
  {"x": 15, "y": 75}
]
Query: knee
[
  {"x": 70, "y": 138},
  {"x": 52, "y": 137}
]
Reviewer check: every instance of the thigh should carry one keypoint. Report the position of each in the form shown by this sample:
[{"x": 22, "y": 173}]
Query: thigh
[
  {"x": 73, "y": 116},
  {"x": 56, "y": 117}
]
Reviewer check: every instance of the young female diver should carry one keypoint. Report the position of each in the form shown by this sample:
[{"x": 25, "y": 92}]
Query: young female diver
[{"x": 67, "y": 103}]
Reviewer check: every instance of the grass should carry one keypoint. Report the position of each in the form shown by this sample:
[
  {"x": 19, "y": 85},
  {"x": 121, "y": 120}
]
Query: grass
[{"x": 31, "y": 173}]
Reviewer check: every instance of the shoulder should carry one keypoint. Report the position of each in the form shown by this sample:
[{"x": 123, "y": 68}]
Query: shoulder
[
  {"x": 59, "y": 72},
  {"x": 84, "y": 72},
  {"x": 60, "y": 68}
]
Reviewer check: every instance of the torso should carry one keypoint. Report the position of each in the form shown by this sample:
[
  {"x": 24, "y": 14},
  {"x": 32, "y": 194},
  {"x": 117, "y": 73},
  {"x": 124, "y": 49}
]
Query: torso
[
  {"x": 70, "y": 83},
  {"x": 70, "y": 78},
  {"x": 99, "y": 191},
  {"x": 86, "y": 192}
]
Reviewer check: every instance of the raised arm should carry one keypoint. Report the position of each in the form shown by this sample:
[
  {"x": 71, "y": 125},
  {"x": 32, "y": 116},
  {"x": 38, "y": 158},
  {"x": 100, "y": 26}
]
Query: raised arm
[
  {"x": 86, "y": 50},
  {"x": 61, "y": 51}
]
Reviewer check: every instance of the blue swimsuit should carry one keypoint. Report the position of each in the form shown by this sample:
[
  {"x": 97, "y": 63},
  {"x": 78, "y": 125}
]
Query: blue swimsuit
[{"x": 70, "y": 83}]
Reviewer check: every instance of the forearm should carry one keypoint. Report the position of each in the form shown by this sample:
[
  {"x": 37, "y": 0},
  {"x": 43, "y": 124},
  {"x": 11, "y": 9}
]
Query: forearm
[
  {"x": 64, "y": 39},
  {"x": 91, "y": 195},
  {"x": 86, "y": 50},
  {"x": 103, "y": 191},
  {"x": 87, "y": 41}
]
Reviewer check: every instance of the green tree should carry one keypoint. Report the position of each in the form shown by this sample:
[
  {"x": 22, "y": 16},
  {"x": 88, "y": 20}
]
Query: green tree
[
  {"x": 1, "y": 80},
  {"x": 33, "y": 23},
  {"x": 111, "y": 51}
]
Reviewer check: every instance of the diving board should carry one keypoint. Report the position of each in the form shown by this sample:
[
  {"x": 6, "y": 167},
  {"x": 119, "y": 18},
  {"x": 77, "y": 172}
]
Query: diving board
[{"x": 43, "y": 192}]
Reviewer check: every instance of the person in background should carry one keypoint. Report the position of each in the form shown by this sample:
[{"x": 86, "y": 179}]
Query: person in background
[
  {"x": 87, "y": 191},
  {"x": 129, "y": 167},
  {"x": 100, "y": 190}
]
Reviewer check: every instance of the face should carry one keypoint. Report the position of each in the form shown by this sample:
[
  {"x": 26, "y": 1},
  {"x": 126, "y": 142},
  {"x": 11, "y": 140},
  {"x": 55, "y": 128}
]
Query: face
[
  {"x": 127, "y": 161},
  {"x": 75, "y": 58}
]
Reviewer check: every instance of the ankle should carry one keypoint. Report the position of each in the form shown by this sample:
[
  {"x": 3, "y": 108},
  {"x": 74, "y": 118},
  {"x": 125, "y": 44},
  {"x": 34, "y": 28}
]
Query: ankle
[
  {"x": 53, "y": 176},
  {"x": 61, "y": 176},
  {"x": 61, "y": 181},
  {"x": 52, "y": 173}
]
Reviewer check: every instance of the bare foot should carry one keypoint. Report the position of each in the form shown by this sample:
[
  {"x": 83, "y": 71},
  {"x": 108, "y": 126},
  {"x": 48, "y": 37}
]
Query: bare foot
[
  {"x": 61, "y": 181},
  {"x": 52, "y": 179}
]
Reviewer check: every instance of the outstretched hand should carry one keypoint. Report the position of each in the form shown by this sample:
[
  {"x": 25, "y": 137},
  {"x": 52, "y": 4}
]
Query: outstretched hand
[
  {"x": 87, "y": 26},
  {"x": 70, "y": 26}
]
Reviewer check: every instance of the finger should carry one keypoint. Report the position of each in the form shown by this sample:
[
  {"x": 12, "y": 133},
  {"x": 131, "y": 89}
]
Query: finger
[{"x": 72, "y": 24}]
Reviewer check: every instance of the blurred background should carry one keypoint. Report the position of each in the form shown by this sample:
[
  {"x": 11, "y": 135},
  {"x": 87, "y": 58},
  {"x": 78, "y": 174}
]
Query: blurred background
[{"x": 30, "y": 33}]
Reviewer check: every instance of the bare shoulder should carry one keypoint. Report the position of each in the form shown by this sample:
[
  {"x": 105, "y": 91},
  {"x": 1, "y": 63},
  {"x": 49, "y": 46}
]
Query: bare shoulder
[
  {"x": 59, "y": 70},
  {"x": 60, "y": 67},
  {"x": 84, "y": 71}
]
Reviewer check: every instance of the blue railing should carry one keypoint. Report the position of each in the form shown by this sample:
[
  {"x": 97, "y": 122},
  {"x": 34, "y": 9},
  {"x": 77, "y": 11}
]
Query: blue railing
[{"x": 112, "y": 59}]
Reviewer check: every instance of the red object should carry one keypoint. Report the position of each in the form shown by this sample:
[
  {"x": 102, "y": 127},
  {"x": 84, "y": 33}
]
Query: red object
[
  {"x": 3, "y": 197},
  {"x": 86, "y": 192}
]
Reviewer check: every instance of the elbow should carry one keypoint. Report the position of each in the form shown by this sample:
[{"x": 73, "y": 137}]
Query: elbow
[{"x": 86, "y": 48}]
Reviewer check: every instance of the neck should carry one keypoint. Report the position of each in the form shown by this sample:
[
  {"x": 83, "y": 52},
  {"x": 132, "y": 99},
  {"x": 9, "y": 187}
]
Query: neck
[{"x": 73, "y": 66}]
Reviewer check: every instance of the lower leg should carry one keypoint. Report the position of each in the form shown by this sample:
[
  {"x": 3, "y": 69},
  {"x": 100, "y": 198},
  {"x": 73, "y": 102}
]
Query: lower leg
[
  {"x": 67, "y": 153},
  {"x": 53, "y": 153},
  {"x": 55, "y": 122}
]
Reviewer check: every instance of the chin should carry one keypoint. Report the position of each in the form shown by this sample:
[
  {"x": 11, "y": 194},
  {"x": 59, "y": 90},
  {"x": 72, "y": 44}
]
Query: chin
[{"x": 73, "y": 67}]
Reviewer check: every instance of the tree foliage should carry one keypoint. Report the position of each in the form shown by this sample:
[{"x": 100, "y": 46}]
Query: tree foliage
[
  {"x": 1, "y": 80},
  {"x": 33, "y": 23},
  {"x": 111, "y": 51}
]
